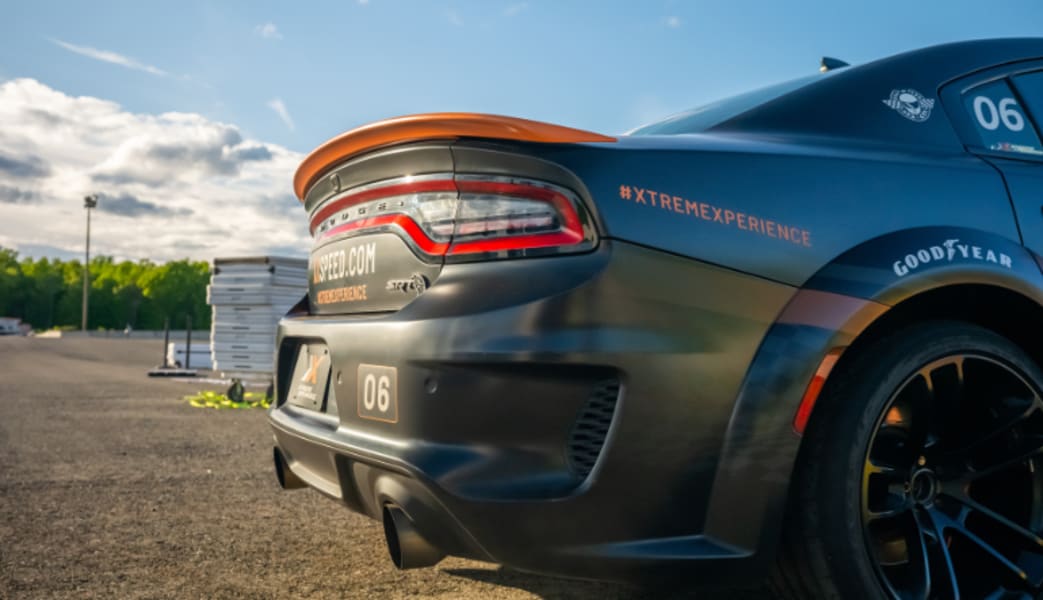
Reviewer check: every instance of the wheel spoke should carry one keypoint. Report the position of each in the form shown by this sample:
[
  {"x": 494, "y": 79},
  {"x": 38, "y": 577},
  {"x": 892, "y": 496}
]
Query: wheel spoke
[
  {"x": 939, "y": 557},
  {"x": 890, "y": 513},
  {"x": 1026, "y": 448},
  {"x": 1006, "y": 423},
  {"x": 1005, "y": 594},
  {"x": 947, "y": 390},
  {"x": 895, "y": 478},
  {"x": 877, "y": 468},
  {"x": 921, "y": 411},
  {"x": 943, "y": 522},
  {"x": 963, "y": 498},
  {"x": 923, "y": 561},
  {"x": 893, "y": 445}
]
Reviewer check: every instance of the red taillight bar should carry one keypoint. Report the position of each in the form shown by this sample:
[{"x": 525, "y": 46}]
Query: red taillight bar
[
  {"x": 407, "y": 225},
  {"x": 571, "y": 232},
  {"x": 387, "y": 191}
]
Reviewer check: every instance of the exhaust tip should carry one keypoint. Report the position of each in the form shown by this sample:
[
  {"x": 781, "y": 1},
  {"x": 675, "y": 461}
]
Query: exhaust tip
[
  {"x": 408, "y": 549},
  {"x": 287, "y": 480}
]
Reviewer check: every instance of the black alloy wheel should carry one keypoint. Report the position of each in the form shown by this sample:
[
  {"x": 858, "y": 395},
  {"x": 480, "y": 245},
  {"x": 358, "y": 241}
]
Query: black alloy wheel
[
  {"x": 920, "y": 475},
  {"x": 952, "y": 492}
]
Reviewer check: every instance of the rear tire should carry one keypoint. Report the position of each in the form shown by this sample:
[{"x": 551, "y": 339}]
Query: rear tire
[{"x": 876, "y": 508}]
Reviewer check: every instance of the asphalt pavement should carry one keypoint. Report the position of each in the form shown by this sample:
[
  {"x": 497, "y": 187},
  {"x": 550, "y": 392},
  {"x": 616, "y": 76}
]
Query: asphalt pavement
[{"x": 112, "y": 486}]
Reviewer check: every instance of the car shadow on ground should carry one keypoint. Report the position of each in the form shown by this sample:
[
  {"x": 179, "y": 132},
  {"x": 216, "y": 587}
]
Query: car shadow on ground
[{"x": 554, "y": 588}]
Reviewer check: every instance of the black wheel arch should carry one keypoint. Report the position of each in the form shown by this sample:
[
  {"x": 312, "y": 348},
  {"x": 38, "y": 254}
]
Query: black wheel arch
[
  {"x": 1007, "y": 311},
  {"x": 752, "y": 485}
]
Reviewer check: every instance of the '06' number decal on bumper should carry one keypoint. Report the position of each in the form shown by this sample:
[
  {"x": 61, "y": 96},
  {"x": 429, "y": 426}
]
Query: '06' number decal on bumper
[{"x": 377, "y": 393}]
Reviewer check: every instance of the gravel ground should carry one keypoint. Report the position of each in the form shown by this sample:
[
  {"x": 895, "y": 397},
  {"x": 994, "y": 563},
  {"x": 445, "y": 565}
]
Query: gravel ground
[{"x": 111, "y": 486}]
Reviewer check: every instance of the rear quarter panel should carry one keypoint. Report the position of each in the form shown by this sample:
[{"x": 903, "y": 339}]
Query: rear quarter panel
[
  {"x": 696, "y": 195},
  {"x": 871, "y": 214}
]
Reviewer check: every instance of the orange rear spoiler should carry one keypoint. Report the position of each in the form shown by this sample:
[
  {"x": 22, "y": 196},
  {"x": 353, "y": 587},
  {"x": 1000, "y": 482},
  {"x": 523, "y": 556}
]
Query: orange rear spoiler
[{"x": 431, "y": 126}]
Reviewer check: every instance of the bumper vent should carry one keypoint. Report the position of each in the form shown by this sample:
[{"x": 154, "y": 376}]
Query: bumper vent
[{"x": 588, "y": 434}]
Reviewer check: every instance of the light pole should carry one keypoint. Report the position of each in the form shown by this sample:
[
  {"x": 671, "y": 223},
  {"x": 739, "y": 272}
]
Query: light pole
[{"x": 89, "y": 202}]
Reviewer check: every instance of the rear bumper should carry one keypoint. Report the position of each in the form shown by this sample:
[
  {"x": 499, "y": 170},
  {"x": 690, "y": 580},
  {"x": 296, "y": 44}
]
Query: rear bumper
[{"x": 561, "y": 415}]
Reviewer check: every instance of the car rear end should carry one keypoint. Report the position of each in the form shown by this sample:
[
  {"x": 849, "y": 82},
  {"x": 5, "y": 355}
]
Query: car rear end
[{"x": 482, "y": 368}]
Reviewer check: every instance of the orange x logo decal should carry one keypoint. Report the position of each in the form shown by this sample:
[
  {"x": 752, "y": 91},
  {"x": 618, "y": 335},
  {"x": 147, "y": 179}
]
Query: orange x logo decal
[{"x": 312, "y": 374}]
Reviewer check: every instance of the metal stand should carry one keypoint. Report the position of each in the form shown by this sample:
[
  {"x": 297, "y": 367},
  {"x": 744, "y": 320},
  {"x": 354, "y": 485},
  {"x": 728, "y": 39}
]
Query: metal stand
[
  {"x": 166, "y": 344},
  {"x": 188, "y": 341},
  {"x": 165, "y": 369}
]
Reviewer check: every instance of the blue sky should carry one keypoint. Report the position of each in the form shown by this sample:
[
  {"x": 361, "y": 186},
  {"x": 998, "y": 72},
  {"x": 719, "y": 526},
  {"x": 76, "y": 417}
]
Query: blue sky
[
  {"x": 189, "y": 117},
  {"x": 606, "y": 66}
]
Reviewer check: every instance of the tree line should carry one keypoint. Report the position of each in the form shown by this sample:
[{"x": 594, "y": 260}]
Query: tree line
[{"x": 48, "y": 293}]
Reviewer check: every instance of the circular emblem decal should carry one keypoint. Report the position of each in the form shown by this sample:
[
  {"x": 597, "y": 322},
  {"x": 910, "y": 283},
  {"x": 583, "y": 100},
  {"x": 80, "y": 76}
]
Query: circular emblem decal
[
  {"x": 419, "y": 283},
  {"x": 911, "y": 104}
]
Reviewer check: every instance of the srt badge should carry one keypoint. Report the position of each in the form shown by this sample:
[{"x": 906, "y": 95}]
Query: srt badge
[{"x": 416, "y": 284}]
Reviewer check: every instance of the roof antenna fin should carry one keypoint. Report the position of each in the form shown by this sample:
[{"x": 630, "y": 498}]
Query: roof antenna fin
[{"x": 829, "y": 63}]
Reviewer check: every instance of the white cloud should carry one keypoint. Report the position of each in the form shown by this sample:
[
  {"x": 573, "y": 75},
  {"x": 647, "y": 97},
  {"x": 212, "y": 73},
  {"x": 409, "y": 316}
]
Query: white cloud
[
  {"x": 515, "y": 9},
  {"x": 277, "y": 105},
  {"x": 109, "y": 57},
  {"x": 170, "y": 185},
  {"x": 268, "y": 31},
  {"x": 673, "y": 22}
]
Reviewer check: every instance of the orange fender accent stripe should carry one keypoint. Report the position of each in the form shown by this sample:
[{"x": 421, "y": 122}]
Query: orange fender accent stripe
[
  {"x": 807, "y": 403},
  {"x": 427, "y": 127},
  {"x": 846, "y": 315}
]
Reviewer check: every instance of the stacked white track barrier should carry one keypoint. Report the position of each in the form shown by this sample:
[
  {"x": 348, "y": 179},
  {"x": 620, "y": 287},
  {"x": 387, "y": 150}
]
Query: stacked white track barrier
[{"x": 249, "y": 296}]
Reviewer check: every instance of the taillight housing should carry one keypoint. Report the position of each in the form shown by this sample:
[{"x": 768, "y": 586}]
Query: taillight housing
[{"x": 462, "y": 217}]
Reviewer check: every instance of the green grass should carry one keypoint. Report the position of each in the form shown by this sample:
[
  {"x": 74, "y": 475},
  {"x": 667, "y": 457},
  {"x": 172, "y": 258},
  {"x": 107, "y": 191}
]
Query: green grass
[{"x": 210, "y": 399}]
